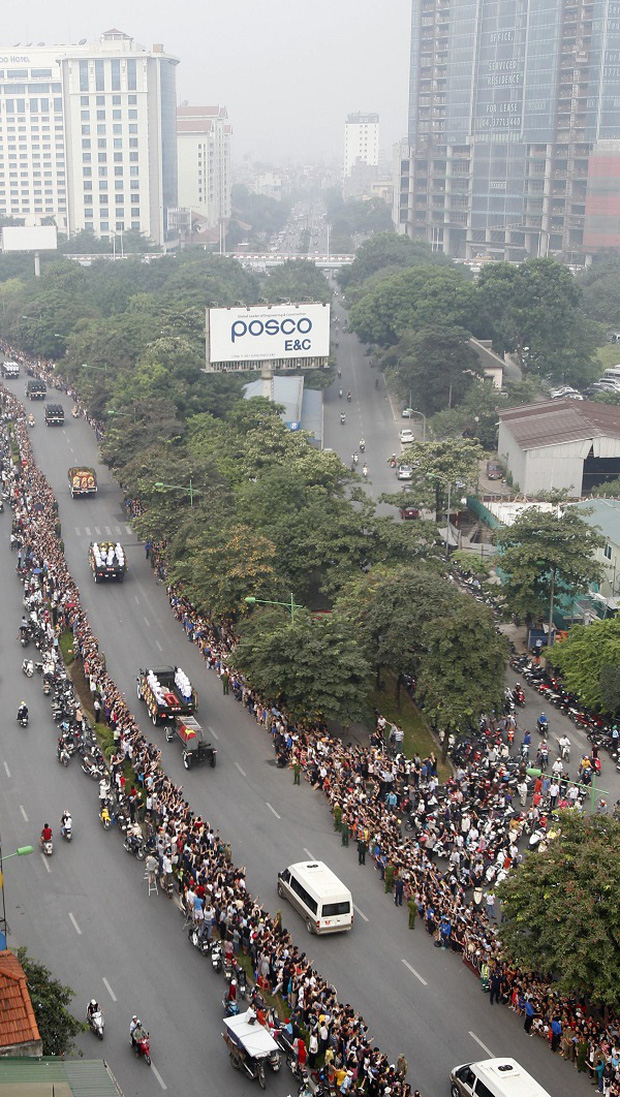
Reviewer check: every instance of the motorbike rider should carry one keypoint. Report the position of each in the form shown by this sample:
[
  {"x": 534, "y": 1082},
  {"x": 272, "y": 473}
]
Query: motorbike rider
[
  {"x": 46, "y": 834},
  {"x": 91, "y": 1009},
  {"x": 22, "y": 712},
  {"x": 349, "y": 396},
  {"x": 564, "y": 745},
  {"x": 136, "y": 1031},
  {"x": 66, "y": 822},
  {"x": 340, "y": 394},
  {"x": 364, "y": 472},
  {"x": 362, "y": 445},
  {"x": 354, "y": 458},
  {"x": 542, "y": 723},
  {"x": 343, "y": 417}
]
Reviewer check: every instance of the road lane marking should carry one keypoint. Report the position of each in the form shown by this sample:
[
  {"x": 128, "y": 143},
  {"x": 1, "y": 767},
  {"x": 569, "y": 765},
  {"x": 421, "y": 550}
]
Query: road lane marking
[
  {"x": 414, "y": 972},
  {"x": 147, "y": 622},
  {"x": 45, "y": 862},
  {"x": 74, "y": 923},
  {"x": 8, "y": 772},
  {"x": 108, "y": 530},
  {"x": 273, "y": 810},
  {"x": 159, "y": 645},
  {"x": 241, "y": 771},
  {"x": 77, "y": 531},
  {"x": 23, "y": 811},
  {"x": 310, "y": 855},
  {"x": 109, "y": 989},
  {"x": 483, "y": 1046},
  {"x": 213, "y": 733},
  {"x": 360, "y": 912},
  {"x": 155, "y": 1071},
  {"x": 117, "y": 530},
  {"x": 127, "y": 528},
  {"x": 137, "y": 599},
  {"x": 87, "y": 530}
]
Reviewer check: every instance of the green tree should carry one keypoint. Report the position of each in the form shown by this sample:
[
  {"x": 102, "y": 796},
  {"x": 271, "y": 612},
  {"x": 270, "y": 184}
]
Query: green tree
[
  {"x": 544, "y": 555},
  {"x": 386, "y": 250},
  {"x": 314, "y": 666},
  {"x": 466, "y": 650},
  {"x": 421, "y": 297},
  {"x": 475, "y": 417},
  {"x": 447, "y": 465},
  {"x": 561, "y": 910},
  {"x": 296, "y": 280},
  {"x": 533, "y": 310},
  {"x": 589, "y": 662},
  {"x": 434, "y": 366},
  {"x": 610, "y": 489},
  {"x": 50, "y": 1000}
]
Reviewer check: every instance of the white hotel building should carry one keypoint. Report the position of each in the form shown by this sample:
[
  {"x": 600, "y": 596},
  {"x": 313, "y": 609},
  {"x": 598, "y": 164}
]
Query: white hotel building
[{"x": 88, "y": 136}]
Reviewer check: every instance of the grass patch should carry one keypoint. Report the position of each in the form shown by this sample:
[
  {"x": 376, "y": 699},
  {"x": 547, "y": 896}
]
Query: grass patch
[
  {"x": 65, "y": 641},
  {"x": 418, "y": 735},
  {"x": 609, "y": 355}
]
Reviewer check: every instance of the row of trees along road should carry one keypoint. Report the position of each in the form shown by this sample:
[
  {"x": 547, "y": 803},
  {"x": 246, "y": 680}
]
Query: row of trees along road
[{"x": 272, "y": 515}]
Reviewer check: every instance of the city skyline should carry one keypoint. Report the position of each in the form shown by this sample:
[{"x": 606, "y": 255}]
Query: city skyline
[{"x": 288, "y": 83}]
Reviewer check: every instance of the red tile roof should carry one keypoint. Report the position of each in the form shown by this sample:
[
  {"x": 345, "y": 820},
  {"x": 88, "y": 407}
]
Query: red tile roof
[
  {"x": 17, "y": 1020},
  {"x": 555, "y": 421}
]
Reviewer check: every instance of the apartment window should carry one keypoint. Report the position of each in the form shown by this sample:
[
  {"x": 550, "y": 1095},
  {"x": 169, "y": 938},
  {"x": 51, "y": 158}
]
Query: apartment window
[
  {"x": 87, "y": 173},
  {"x": 44, "y": 105},
  {"x": 85, "y": 143},
  {"x": 117, "y": 128},
  {"x": 85, "y": 131},
  {"x": 132, "y": 76},
  {"x": 17, "y": 74},
  {"x": 101, "y": 127},
  {"x": 135, "y": 225},
  {"x": 100, "y": 101},
  {"x": 87, "y": 185},
  {"x": 120, "y": 225},
  {"x": 85, "y": 115},
  {"x": 132, "y": 100},
  {"x": 86, "y": 157},
  {"x": 116, "y": 100},
  {"x": 117, "y": 115},
  {"x": 117, "y": 144},
  {"x": 133, "y": 128},
  {"x": 134, "y": 171},
  {"x": 99, "y": 76},
  {"x": 88, "y": 213},
  {"x": 607, "y": 552},
  {"x": 115, "y": 66},
  {"x": 133, "y": 156},
  {"x": 84, "y": 101},
  {"x": 118, "y": 171},
  {"x": 101, "y": 116},
  {"x": 102, "y": 144},
  {"x": 135, "y": 211},
  {"x": 40, "y": 74},
  {"x": 88, "y": 199},
  {"x": 58, "y": 106},
  {"x": 133, "y": 142},
  {"x": 83, "y": 75},
  {"x": 104, "y": 212}
]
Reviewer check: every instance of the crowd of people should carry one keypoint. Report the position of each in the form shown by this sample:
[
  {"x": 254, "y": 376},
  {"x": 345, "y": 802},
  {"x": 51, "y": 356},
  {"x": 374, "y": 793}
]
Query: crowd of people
[{"x": 464, "y": 836}]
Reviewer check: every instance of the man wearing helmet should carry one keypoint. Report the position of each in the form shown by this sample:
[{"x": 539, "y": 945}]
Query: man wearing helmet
[
  {"x": 92, "y": 1008},
  {"x": 136, "y": 1031}
]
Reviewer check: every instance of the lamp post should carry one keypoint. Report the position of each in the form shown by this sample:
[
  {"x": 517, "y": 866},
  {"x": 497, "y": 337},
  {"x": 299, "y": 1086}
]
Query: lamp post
[
  {"x": 180, "y": 487},
  {"x": 85, "y": 365},
  {"x": 291, "y": 606},
  {"x": 21, "y": 851}
]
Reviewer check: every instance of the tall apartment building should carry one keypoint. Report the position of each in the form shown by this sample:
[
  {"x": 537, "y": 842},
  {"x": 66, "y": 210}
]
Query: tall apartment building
[
  {"x": 512, "y": 106},
  {"x": 361, "y": 152},
  {"x": 88, "y": 136},
  {"x": 203, "y": 145}
]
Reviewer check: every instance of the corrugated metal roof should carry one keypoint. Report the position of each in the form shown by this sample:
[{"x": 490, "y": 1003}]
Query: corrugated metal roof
[
  {"x": 555, "y": 422},
  {"x": 85, "y": 1077}
]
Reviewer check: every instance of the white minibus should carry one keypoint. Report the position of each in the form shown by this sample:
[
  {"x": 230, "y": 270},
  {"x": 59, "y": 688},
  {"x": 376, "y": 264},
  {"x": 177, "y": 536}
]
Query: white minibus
[
  {"x": 494, "y": 1078},
  {"x": 319, "y": 896},
  {"x": 612, "y": 373}
]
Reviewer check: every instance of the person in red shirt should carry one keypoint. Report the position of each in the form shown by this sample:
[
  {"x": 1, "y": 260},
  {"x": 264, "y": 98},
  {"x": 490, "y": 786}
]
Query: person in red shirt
[{"x": 46, "y": 833}]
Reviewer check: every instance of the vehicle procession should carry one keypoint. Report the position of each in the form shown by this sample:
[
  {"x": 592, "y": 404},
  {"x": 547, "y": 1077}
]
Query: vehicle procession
[{"x": 185, "y": 858}]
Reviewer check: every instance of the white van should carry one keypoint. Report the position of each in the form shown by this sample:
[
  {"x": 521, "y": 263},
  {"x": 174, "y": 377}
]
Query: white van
[
  {"x": 612, "y": 373},
  {"x": 319, "y": 896},
  {"x": 494, "y": 1078}
]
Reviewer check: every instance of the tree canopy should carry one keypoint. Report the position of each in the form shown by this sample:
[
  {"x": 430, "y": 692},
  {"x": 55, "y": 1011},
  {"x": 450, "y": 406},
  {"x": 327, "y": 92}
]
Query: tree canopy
[
  {"x": 546, "y": 555},
  {"x": 50, "y": 1000},
  {"x": 416, "y": 298},
  {"x": 386, "y": 250},
  {"x": 561, "y": 910},
  {"x": 436, "y": 366},
  {"x": 589, "y": 662}
]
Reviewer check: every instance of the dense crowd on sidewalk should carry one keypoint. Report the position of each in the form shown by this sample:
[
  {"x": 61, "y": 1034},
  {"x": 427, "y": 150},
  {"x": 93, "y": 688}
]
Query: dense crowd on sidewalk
[{"x": 444, "y": 873}]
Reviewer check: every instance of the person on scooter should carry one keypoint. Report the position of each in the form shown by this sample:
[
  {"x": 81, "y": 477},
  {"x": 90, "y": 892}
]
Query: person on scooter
[
  {"x": 343, "y": 417},
  {"x": 136, "y": 1031},
  {"x": 46, "y": 834},
  {"x": 66, "y": 822},
  {"x": 22, "y": 712},
  {"x": 542, "y": 723},
  {"x": 91, "y": 1009}
]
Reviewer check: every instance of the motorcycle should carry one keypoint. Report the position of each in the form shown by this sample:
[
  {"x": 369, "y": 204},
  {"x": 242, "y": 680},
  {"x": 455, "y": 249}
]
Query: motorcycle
[
  {"x": 28, "y": 668},
  {"x": 519, "y": 696},
  {"x": 63, "y": 754},
  {"x": 362, "y": 445},
  {"x": 47, "y": 687},
  {"x": 242, "y": 981},
  {"x": 66, "y": 830},
  {"x": 349, "y": 397},
  {"x": 229, "y": 968},
  {"x": 24, "y": 637},
  {"x": 31, "y": 420},
  {"x": 105, "y": 818},
  {"x": 22, "y": 718},
  {"x": 365, "y": 472},
  {"x": 203, "y": 943},
  {"x": 217, "y": 958},
  {"x": 564, "y": 749},
  {"x": 134, "y": 845},
  {"x": 47, "y": 847},
  {"x": 343, "y": 418},
  {"x": 230, "y": 1007},
  {"x": 92, "y": 767},
  {"x": 96, "y": 1023},
  {"x": 542, "y": 724},
  {"x": 74, "y": 412},
  {"x": 142, "y": 1048}
]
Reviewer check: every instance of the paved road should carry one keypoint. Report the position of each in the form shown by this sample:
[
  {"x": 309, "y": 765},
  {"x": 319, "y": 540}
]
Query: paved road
[{"x": 408, "y": 993}]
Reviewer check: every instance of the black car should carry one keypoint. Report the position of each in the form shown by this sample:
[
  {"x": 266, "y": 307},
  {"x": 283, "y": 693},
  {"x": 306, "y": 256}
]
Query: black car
[{"x": 54, "y": 415}]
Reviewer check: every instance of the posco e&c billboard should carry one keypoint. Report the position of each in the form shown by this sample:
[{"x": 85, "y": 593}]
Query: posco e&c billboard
[{"x": 284, "y": 336}]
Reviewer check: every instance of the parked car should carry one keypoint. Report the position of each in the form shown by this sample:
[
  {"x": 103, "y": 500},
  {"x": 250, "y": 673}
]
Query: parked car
[
  {"x": 494, "y": 470},
  {"x": 406, "y": 436},
  {"x": 565, "y": 392},
  {"x": 404, "y": 472},
  {"x": 407, "y": 413},
  {"x": 409, "y": 512}
]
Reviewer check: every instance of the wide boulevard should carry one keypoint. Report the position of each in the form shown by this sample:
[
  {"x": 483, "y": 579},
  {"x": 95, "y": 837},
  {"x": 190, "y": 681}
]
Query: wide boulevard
[{"x": 86, "y": 912}]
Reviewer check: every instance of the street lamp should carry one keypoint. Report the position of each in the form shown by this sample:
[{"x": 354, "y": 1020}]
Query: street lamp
[
  {"x": 21, "y": 851},
  {"x": 412, "y": 411},
  {"x": 251, "y": 601},
  {"x": 180, "y": 487},
  {"x": 85, "y": 365}
]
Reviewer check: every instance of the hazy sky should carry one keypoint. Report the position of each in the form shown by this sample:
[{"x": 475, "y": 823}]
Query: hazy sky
[{"x": 289, "y": 71}]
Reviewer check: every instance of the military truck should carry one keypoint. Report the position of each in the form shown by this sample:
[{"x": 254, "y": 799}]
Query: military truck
[
  {"x": 107, "y": 560},
  {"x": 167, "y": 692},
  {"x": 82, "y": 480}
]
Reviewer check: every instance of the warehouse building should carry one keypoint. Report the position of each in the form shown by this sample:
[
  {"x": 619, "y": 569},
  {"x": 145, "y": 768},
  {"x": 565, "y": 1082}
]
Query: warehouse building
[{"x": 565, "y": 445}]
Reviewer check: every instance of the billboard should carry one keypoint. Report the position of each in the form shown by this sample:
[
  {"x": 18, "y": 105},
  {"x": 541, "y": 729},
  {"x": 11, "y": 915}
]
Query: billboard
[
  {"x": 35, "y": 238},
  {"x": 267, "y": 333}
]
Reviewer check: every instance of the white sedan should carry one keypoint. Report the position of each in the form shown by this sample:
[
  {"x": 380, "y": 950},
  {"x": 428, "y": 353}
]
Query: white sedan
[
  {"x": 404, "y": 472},
  {"x": 406, "y": 436}
]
